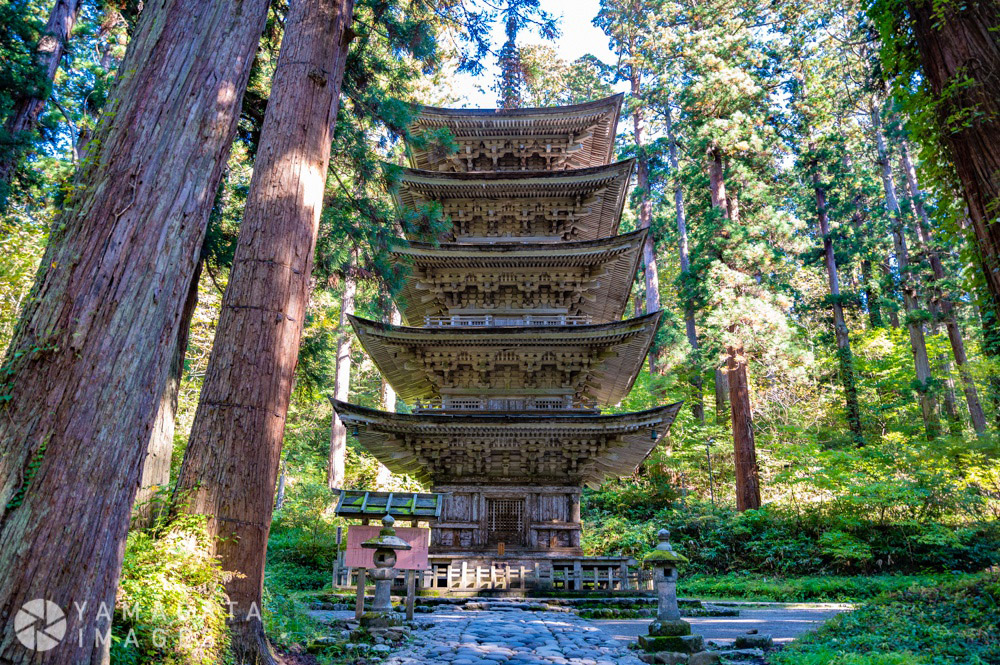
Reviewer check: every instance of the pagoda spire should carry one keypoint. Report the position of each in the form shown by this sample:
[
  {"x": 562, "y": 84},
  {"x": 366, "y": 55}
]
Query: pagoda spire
[{"x": 511, "y": 70}]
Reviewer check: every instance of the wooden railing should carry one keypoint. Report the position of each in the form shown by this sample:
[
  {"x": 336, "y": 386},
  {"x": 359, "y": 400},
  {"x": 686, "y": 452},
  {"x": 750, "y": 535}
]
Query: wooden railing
[
  {"x": 574, "y": 574},
  {"x": 489, "y": 320},
  {"x": 449, "y": 403}
]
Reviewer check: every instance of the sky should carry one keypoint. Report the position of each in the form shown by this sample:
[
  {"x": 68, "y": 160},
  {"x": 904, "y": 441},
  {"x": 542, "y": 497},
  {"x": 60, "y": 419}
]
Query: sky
[{"x": 579, "y": 37}]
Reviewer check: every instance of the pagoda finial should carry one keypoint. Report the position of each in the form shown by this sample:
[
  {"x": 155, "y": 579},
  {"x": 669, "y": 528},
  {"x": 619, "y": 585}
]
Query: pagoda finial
[{"x": 511, "y": 74}]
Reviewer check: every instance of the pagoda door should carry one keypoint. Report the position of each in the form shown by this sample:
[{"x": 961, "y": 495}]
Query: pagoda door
[{"x": 505, "y": 521}]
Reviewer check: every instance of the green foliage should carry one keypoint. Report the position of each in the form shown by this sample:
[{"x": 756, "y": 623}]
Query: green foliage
[
  {"x": 21, "y": 245},
  {"x": 816, "y": 588},
  {"x": 171, "y": 602},
  {"x": 951, "y": 624},
  {"x": 34, "y": 462},
  {"x": 786, "y": 542}
]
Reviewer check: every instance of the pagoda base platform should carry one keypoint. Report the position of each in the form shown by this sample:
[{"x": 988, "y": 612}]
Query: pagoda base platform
[
  {"x": 465, "y": 574},
  {"x": 472, "y": 573}
]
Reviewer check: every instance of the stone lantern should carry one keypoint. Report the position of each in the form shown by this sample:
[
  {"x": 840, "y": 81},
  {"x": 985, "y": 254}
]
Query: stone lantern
[
  {"x": 385, "y": 545},
  {"x": 668, "y": 632}
]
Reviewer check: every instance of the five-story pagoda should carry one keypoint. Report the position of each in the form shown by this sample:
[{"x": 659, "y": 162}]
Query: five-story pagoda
[{"x": 514, "y": 337}]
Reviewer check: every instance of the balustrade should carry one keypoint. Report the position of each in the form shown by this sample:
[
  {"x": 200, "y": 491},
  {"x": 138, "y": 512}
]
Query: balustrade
[
  {"x": 560, "y": 403},
  {"x": 489, "y": 320}
]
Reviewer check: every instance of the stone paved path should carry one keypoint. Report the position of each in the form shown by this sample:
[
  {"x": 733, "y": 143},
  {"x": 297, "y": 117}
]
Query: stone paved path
[{"x": 514, "y": 637}]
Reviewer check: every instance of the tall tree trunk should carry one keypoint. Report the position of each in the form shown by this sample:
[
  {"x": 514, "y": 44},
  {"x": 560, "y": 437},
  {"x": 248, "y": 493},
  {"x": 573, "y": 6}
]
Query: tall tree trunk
[
  {"x": 90, "y": 356},
  {"x": 160, "y": 451},
  {"x": 959, "y": 51},
  {"x": 747, "y": 474},
  {"x": 839, "y": 322},
  {"x": 697, "y": 389},
  {"x": 645, "y": 211},
  {"x": 859, "y": 219},
  {"x": 335, "y": 472},
  {"x": 744, "y": 446},
  {"x": 231, "y": 463},
  {"x": 383, "y": 476},
  {"x": 873, "y": 300},
  {"x": 989, "y": 318},
  {"x": 721, "y": 389},
  {"x": 279, "y": 494},
  {"x": 717, "y": 188},
  {"x": 946, "y": 305},
  {"x": 24, "y": 116},
  {"x": 889, "y": 287},
  {"x": 922, "y": 365}
]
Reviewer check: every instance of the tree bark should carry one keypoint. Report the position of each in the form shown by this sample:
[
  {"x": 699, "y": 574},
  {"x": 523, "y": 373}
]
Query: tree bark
[
  {"x": 945, "y": 304},
  {"x": 721, "y": 389},
  {"x": 160, "y": 451},
  {"x": 697, "y": 388},
  {"x": 841, "y": 332},
  {"x": 717, "y": 189},
  {"x": 652, "y": 279},
  {"x": 24, "y": 116},
  {"x": 231, "y": 464},
  {"x": 922, "y": 365},
  {"x": 747, "y": 474},
  {"x": 959, "y": 48},
  {"x": 744, "y": 446},
  {"x": 342, "y": 380},
  {"x": 85, "y": 369}
]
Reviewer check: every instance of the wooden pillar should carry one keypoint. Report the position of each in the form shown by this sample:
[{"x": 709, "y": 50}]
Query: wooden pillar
[
  {"x": 359, "y": 603},
  {"x": 574, "y": 508},
  {"x": 411, "y": 593},
  {"x": 337, "y": 558}
]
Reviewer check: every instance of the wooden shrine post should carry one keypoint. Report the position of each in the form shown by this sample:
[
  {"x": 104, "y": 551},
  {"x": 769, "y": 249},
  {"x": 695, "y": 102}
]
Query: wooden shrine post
[
  {"x": 338, "y": 557},
  {"x": 359, "y": 604},
  {"x": 411, "y": 592}
]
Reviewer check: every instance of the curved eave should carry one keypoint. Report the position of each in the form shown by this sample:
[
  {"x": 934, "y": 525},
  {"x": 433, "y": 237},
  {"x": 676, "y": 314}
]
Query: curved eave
[
  {"x": 610, "y": 182},
  {"x": 401, "y": 441},
  {"x": 622, "y": 346},
  {"x": 601, "y": 114},
  {"x": 619, "y": 256}
]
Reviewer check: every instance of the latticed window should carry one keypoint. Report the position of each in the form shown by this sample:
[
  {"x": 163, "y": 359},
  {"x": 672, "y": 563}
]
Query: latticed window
[{"x": 506, "y": 520}]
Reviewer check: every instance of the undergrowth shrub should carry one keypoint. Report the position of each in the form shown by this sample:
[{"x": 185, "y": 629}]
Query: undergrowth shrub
[
  {"x": 303, "y": 541},
  {"x": 781, "y": 541},
  {"x": 826, "y": 588},
  {"x": 951, "y": 624},
  {"x": 170, "y": 606}
]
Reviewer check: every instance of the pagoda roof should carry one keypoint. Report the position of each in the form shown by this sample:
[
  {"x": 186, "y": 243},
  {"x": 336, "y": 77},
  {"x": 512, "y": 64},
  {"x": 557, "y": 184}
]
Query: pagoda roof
[
  {"x": 598, "y": 362},
  {"x": 563, "y": 449},
  {"x": 589, "y": 201},
  {"x": 588, "y": 129},
  {"x": 596, "y": 275}
]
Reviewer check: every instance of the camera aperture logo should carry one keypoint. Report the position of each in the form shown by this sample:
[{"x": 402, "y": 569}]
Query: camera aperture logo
[{"x": 40, "y": 624}]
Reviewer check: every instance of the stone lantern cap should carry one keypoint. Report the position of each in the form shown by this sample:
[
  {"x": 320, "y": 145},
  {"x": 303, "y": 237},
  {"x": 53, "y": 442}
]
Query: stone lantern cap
[
  {"x": 387, "y": 538},
  {"x": 664, "y": 554}
]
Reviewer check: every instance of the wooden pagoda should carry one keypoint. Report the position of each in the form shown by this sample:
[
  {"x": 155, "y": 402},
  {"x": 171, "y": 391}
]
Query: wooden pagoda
[{"x": 513, "y": 337}]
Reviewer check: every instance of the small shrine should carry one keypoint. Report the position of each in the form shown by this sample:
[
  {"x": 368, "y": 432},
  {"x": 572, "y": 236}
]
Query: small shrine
[{"x": 513, "y": 337}]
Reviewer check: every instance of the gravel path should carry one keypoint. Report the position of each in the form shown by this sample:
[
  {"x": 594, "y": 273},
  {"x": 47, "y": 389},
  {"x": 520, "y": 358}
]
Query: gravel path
[
  {"x": 783, "y": 623},
  {"x": 515, "y": 637}
]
